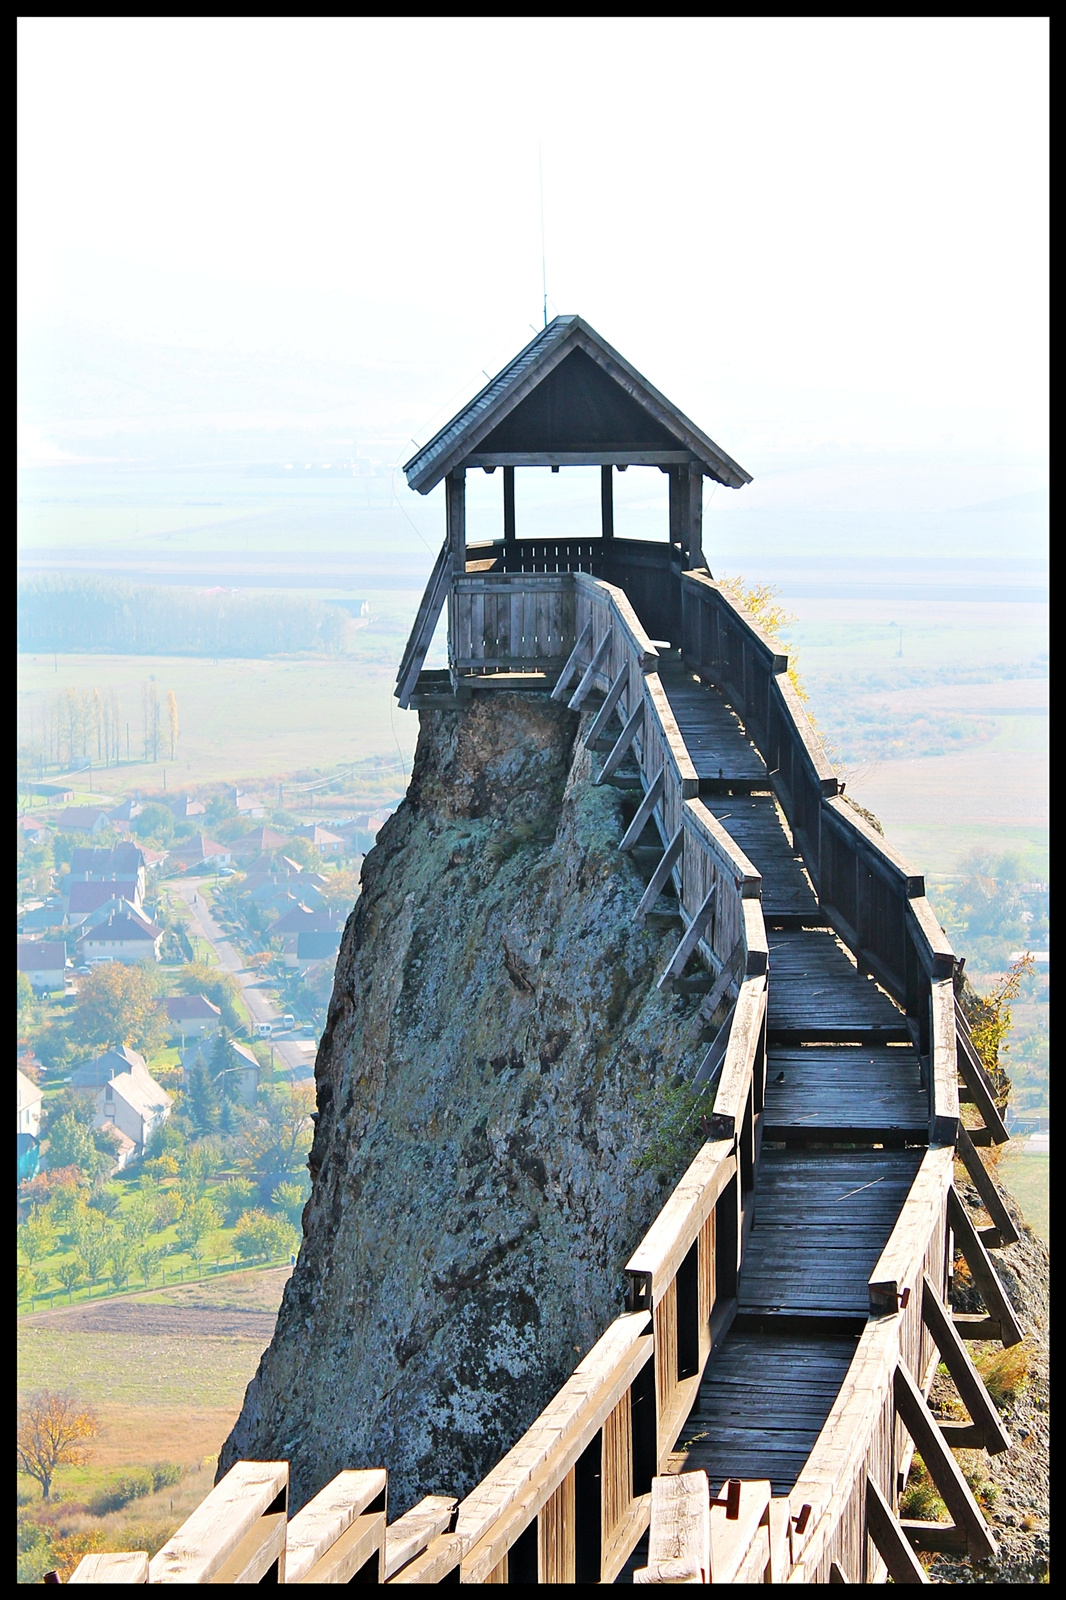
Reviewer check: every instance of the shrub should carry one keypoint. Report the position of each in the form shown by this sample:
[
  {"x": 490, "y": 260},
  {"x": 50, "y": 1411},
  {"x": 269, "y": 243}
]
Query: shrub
[
  {"x": 161, "y": 1166},
  {"x": 1005, "y": 1373},
  {"x": 260, "y": 1236},
  {"x": 235, "y": 1196},
  {"x": 290, "y": 1199},
  {"x": 106, "y": 1199},
  {"x": 919, "y": 1499},
  {"x": 133, "y": 1485}
]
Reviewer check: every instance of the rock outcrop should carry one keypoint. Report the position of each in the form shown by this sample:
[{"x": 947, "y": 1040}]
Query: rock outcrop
[{"x": 494, "y": 1062}]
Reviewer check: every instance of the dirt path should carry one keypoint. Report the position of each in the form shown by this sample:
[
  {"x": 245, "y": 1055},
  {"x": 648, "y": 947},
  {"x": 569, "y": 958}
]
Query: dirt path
[{"x": 155, "y": 1321}]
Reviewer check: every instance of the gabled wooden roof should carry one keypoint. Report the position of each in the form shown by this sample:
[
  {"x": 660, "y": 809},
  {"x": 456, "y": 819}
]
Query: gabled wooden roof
[{"x": 568, "y": 394}]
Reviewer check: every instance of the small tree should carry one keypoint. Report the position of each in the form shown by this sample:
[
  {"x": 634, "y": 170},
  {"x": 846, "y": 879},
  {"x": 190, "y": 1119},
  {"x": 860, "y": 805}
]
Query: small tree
[
  {"x": 25, "y": 998},
  {"x": 236, "y": 1196},
  {"x": 197, "y": 1221},
  {"x": 121, "y": 1258},
  {"x": 37, "y": 1237},
  {"x": 71, "y": 1144},
  {"x": 70, "y": 1276},
  {"x": 260, "y": 1236},
  {"x": 147, "y": 1257},
  {"x": 290, "y": 1199},
  {"x": 200, "y": 1099},
  {"x": 172, "y": 721},
  {"x": 52, "y": 1432}
]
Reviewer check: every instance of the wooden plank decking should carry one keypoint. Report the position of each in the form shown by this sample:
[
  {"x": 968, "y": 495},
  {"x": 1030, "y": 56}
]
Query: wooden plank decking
[
  {"x": 818, "y": 993},
  {"x": 838, "y": 1093},
  {"x": 720, "y": 750},
  {"x": 761, "y": 1406},
  {"x": 756, "y": 823},
  {"x": 841, "y": 1069}
]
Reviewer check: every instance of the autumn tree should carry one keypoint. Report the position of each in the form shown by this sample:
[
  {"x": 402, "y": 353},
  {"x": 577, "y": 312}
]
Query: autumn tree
[
  {"x": 117, "y": 1005},
  {"x": 52, "y": 1433},
  {"x": 340, "y": 893},
  {"x": 172, "y": 721},
  {"x": 277, "y": 1138}
]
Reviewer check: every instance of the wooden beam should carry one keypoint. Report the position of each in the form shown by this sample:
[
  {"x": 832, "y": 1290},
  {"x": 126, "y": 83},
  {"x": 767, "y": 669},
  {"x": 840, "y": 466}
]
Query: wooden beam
[
  {"x": 603, "y": 715},
  {"x": 356, "y": 1557},
  {"x": 732, "y": 1538},
  {"x": 985, "y": 1186},
  {"x": 508, "y": 506},
  {"x": 606, "y": 501},
  {"x": 964, "y": 1374},
  {"x": 425, "y": 623},
  {"x": 970, "y": 1326},
  {"x": 692, "y": 515},
  {"x": 934, "y": 1535},
  {"x": 679, "y": 1538},
  {"x": 455, "y": 514},
  {"x": 644, "y": 810},
  {"x": 579, "y": 458},
  {"x": 129, "y": 1566},
  {"x": 941, "y": 1465},
  {"x": 984, "y": 1273},
  {"x": 622, "y": 744},
  {"x": 573, "y": 661},
  {"x": 410, "y": 1534},
  {"x": 251, "y": 1493},
  {"x": 602, "y": 650},
  {"x": 889, "y": 1539},
  {"x": 973, "y": 1074},
  {"x": 689, "y": 939},
  {"x": 660, "y": 875},
  {"x": 320, "y": 1523}
]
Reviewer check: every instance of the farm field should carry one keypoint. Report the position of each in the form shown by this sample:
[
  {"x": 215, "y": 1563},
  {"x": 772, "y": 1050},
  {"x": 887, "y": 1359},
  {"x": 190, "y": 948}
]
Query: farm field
[
  {"x": 170, "y": 1395},
  {"x": 1028, "y": 1177},
  {"x": 240, "y": 720}
]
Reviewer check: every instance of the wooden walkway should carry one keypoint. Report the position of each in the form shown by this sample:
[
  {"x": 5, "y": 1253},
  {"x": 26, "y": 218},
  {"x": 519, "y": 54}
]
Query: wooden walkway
[{"x": 841, "y": 1071}]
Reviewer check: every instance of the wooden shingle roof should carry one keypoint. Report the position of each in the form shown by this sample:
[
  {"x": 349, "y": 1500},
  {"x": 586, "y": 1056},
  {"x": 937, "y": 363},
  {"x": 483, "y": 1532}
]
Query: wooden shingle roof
[{"x": 569, "y": 394}]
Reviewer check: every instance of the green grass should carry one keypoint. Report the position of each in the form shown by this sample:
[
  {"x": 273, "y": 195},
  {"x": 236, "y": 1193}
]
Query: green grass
[
  {"x": 1028, "y": 1177},
  {"x": 132, "y": 1370},
  {"x": 176, "y": 1267}
]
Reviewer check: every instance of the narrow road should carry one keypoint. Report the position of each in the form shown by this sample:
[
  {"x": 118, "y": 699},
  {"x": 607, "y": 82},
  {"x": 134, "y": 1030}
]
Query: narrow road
[{"x": 293, "y": 1054}]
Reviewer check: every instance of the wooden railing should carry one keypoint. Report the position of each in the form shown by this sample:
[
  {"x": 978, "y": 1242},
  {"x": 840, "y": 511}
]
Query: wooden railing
[{"x": 570, "y": 1501}]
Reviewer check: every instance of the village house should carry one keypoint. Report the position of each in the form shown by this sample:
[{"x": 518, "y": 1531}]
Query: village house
[
  {"x": 301, "y": 919},
  {"x": 133, "y": 1104},
  {"x": 313, "y": 945},
  {"x": 325, "y": 842},
  {"x": 240, "y": 1062},
  {"x": 83, "y": 899},
  {"x": 29, "y": 1104},
  {"x": 192, "y": 1016},
  {"x": 44, "y": 963},
  {"x": 33, "y": 831},
  {"x": 259, "y": 842},
  {"x": 83, "y": 819},
  {"x": 248, "y": 805},
  {"x": 200, "y": 852},
  {"x": 93, "y": 1075},
  {"x": 128, "y": 938},
  {"x": 121, "y": 864},
  {"x": 184, "y": 806}
]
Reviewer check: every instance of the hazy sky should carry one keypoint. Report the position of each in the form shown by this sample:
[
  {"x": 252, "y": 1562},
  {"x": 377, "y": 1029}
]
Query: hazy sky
[{"x": 818, "y": 237}]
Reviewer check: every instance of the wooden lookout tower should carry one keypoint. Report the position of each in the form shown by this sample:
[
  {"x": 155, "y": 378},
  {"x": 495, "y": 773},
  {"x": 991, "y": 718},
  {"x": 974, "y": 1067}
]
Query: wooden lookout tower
[{"x": 568, "y": 399}]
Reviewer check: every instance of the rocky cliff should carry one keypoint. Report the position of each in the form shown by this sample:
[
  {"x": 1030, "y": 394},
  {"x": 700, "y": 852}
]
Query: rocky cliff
[{"x": 495, "y": 1057}]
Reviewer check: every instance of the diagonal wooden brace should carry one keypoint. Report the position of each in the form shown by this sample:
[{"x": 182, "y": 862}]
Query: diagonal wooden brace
[
  {"x": 891, "y": 1542},
  {"x": 573, "y": 661},
  {"x": 941, "y": 1465},
  {"x": 1002, "y": 1227},
  {"x": 622, "y": 743},
  {"x": 977, "y": 1259},
  {"x": 660, "y": 875},
  {"x": 644, "y": 811},
  {"x": 601, "y": 650},
  {"x": 690, "y": 938},
  {"x": 967, "y": 1379},
  {"x": 603, "y": 715}
]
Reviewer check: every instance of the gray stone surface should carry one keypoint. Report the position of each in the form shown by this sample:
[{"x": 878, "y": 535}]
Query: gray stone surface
[{"x": 496, "y": 1054}]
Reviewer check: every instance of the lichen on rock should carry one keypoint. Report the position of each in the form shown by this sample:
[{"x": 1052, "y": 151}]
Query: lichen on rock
[{"x": 486, "y": 1086}]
